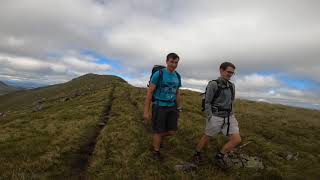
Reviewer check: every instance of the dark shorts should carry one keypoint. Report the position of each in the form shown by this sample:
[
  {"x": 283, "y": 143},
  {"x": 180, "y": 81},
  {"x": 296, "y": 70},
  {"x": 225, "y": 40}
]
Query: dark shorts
[{"x": 164, "y": 119}]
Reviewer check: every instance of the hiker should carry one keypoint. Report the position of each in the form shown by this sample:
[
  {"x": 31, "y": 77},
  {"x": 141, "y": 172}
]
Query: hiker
[
  {"x": 163, "y": 92},
  {"x": 217, "y": 104}
]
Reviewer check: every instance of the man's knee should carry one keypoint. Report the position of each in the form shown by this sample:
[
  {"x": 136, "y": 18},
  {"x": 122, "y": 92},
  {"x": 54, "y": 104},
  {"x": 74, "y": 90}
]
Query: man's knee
[
  {"x": 205, "y": 137},
  {"x": 236, "y": 139}
]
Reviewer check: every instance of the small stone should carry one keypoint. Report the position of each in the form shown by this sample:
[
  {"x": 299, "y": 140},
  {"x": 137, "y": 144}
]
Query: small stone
[
  {"x": 245, "y": 161},
  {"x": 65, "y": 99},
  {"x": 255, "y": 163},
  {"x": 186, "y": 167},
  {"x": 38, "y": 107},
  {"x": 101, "y": 124},
  {"x": 296, "y": 156},
  {"x": 289, "y": 157},
  {"x": 83, "y": 94}
]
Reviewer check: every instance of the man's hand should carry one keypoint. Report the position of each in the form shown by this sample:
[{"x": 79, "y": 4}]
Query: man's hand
[
  {"x": 147, "y": 103},
  {"x": 146, "y": 117},
  {"x": 179, "y": 109}
]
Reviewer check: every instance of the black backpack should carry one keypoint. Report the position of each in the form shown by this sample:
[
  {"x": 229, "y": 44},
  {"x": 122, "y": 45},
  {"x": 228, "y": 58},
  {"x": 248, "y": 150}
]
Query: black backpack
[
  {"x": 217, "y": 93},
  {"x": 154, "y": 70},
  {"x": 160, "y": 68}
]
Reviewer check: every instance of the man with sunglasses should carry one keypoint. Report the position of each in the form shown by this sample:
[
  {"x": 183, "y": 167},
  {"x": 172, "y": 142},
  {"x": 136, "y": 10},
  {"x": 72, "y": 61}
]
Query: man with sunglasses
[
  {"x": 218, "y": 102},
  {"x": 164, "y": 94}
]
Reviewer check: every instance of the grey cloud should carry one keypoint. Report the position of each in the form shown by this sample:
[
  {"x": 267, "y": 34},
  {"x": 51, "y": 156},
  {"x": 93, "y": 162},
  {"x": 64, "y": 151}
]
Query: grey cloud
[{"x": 258, "y": 36}]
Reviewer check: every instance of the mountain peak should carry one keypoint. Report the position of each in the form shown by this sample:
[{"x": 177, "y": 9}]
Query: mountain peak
[{"x": 92, "y": 76}]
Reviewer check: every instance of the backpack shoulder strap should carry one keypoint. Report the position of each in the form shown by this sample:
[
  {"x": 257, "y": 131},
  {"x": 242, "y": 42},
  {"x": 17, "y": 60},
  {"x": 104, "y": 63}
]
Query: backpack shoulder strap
[
  {"x": 179, "y": 77},
  {"x": 218, "y": 91},
  {"x": 232, "y": 89},
  {"x": 159, "y": 82},
  {"x": 160, "y": 78}
]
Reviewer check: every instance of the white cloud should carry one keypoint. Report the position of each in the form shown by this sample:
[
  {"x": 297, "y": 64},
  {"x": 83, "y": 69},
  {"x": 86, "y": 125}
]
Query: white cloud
[
  {"x": 195, "y": 82},
  {"x": 14, "y": 42},
  {"x": 81, "y": 66},
  {"x": 265, "y": 36},
  {"x": 139, "y": 82},
  {"x": 256, "y": 82},
  {"x": 37, "y": 70},
  {"x": 264, "y": 88}
]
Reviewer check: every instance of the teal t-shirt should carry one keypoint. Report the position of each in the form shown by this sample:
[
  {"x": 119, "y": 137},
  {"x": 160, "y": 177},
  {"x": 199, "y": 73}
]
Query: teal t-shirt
[{"x": 169, "y": 85}]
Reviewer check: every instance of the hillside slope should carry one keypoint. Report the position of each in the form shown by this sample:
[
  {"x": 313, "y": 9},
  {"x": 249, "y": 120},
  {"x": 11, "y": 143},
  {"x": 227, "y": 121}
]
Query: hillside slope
[
  {"x": 91, "y": 127},
  {"x": 5, "y": 88}
]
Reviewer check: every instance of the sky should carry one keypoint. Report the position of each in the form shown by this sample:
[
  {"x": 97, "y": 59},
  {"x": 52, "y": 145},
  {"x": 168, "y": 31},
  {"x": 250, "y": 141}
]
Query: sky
[{"x": 273, "y": 44}]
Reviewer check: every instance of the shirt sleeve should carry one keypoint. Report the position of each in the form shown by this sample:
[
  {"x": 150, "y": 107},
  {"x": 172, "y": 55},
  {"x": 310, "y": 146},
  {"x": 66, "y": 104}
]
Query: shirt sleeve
[
  {"x": 211, "y": 89},
  {"x": 155, "y": 78}
]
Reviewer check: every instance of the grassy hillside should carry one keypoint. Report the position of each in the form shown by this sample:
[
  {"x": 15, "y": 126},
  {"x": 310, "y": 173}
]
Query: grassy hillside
[
  {"x": 4, "y": 88},
  {"x": 91, "y": 127}
]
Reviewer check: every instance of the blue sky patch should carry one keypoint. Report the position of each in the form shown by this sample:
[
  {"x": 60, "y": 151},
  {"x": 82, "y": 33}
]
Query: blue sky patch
[
  {"x": 102, "y": 59},
  {"x": 301, "y": 84}
]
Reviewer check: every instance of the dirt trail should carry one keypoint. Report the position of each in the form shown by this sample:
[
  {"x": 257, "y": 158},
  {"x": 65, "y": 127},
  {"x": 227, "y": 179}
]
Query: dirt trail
[{"x": 80, "y": 165}]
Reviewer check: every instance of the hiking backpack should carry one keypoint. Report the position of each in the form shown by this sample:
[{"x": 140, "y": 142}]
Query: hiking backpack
[{"x": 217, "y": 93}]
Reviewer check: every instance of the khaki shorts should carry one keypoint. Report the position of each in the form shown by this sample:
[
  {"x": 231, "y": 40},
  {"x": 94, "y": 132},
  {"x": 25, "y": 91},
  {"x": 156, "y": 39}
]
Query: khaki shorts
[{"x": 215, "y": 125}]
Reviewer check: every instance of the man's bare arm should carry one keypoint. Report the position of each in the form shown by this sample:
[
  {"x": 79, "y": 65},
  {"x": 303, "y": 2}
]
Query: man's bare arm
[
  {"x": 178, "y": 98},
  {"x": 147, "y": 102}
]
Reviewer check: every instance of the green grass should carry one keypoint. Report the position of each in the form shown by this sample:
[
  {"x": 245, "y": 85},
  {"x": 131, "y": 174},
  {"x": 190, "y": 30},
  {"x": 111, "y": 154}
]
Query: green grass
[{"x": 47, "y": 144}]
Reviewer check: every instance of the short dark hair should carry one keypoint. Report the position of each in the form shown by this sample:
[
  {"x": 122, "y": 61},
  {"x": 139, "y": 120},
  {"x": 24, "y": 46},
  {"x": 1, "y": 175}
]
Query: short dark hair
[
  {"x": 172, "y": 56},
  {"x": 225, "y": 65}
]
